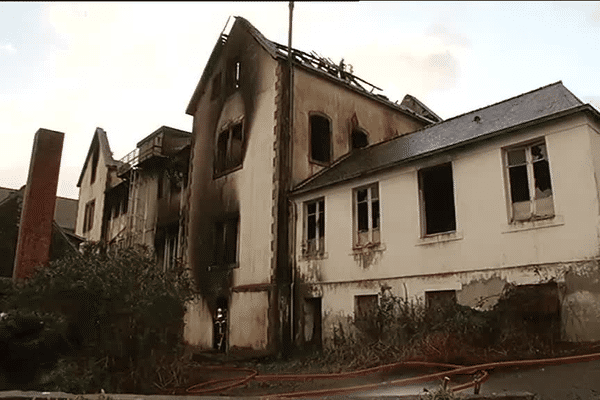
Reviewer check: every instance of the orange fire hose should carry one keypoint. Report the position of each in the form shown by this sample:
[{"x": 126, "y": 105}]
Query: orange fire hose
[{"x": 453, "y": 370}]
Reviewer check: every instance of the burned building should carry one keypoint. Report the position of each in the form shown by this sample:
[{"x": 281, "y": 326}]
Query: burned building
[
  {"x": 260, "y": 128},
  {"x": 135, "y": 200}
]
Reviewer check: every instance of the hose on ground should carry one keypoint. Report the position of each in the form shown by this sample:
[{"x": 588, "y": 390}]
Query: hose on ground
[{"x": 481, "y": 369}]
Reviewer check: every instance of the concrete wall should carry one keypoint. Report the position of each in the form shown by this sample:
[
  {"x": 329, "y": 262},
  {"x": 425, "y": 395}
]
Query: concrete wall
[
  {"x": 245, "y": 192},
  {"x": 347, "y": 109},
  {"x": 485, "y": 252}
]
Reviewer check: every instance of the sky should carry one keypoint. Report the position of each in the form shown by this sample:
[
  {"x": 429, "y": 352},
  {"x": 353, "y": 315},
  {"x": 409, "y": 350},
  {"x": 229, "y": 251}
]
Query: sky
[{"x": 130, "y": 68}]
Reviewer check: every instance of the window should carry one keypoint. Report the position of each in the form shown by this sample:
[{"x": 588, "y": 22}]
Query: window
[
  {"x": 314, "y": 228},
  {"x": 95, "y": 156},
  {"x": 88, "y": 218},
  {"x": 359, "y": 139},
  {"x": 226, "y": 242},
  {"x": 365, "y": 306},
  {"x": 320, "y": 139},
  {"x": 437, "y": 200},
  {"x": 229, "y": 148},
  {"x": 366, "y": 215},
  {"x": 440, "y": 300},
  {"x": 234, "y": 74},
  {"x": 530, "y": 184}
]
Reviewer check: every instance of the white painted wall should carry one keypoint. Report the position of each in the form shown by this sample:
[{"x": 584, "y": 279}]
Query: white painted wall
[{"x": 484, "y": 240}]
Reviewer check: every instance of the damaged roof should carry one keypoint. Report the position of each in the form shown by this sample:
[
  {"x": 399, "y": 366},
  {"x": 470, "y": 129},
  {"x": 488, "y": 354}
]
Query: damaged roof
[
  {"x": 100, "y": 139},
  {"x": 324, "y": 67},
  {"x": 549, "y": 102}
]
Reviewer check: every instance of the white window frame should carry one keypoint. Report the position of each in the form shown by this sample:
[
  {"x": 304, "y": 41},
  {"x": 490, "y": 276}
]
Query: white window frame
[
  {"x": 314, "y": 246},
  {"x": 539, "y": 208},
  {"x": 371, "y": 236}
]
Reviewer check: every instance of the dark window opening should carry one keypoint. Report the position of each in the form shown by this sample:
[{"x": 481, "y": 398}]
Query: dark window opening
[
  {"x": 320, "y": 139},
  {"x": 365, "y": 314},
  {"x": 229, "y": 148},
  {"x": 160, "y": 189},
  {"x": 437, "y": 196},
  {"x": 88, "y": 218},
  {"x": 530, "y": 184},
  {"x": 315, "y": 227},
  {"x": 95, "y": 156},
  {"x": 234, "y": 75},
  {"x": 359, "y": 139},
  {"x": 226, "y": 242},
  {"x": 440, "y": 300},
  {"x": 312, "y": 323}
]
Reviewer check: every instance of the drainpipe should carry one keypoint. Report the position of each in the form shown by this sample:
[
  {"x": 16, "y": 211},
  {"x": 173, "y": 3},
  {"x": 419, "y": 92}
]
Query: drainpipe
[{"x": 291, "y": 236}]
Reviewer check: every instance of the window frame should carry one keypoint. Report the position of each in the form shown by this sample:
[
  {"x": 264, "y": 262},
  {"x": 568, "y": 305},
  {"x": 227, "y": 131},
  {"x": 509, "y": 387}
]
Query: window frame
[
  {"x": 534, "y": 214},
  {"x": 225, "y": 166},
  {"x": 423, "y": 202},
  {"x": 88, "y": 216},
  {"x": 373, "y": 234},
  {"x": 318, "y": 248},
  {"x": 319, "y": 114}
]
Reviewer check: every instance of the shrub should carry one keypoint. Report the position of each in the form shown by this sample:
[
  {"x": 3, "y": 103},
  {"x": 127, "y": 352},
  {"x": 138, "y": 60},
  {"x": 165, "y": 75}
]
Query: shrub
[{"x": 107, "y": 315}]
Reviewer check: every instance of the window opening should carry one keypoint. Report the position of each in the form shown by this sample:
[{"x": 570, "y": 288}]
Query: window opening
[
  {"x": 226, "y": 238},
  {"x": 315, "y": 227},
  {"x": 359, "y": 139},
  {"x": 95, "y": 156},
  {"x": 312, "y": 322},
  {"x": 234, "y": 75},
  {"x": 229, "y": 148},
  {"x": 440, "y": 300},
  {"x": 367, "y": 215},
  {"x": 88, "y": 218},
  {"x": 437, "y": 198},
  {"x": 530, "y": 183},
  {"x": 320, "y": 139}
]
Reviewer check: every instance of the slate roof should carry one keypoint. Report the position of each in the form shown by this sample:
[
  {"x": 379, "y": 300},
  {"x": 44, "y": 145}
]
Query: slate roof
[{"x": 548, "y": 102}]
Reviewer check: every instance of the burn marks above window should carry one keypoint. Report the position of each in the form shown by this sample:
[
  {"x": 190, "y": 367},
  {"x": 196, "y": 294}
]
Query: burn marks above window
[
  {"x": 229, "y": 148},
  {"x": 437, "y": 200},
  {"x": 320, "y": 138}
]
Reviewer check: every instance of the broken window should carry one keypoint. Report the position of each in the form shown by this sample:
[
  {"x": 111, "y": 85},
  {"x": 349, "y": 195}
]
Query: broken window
[
  {"x": 320, "y": 139},
  {"x": 88, "y": 217},
  {"x": 366, "y": 215},
  {"x": 234, "y": 74},
  {"x": 437, "y": 199},
  {"x": 226, "y": 242},
  {"x": 314, "y": 212},
  {"x": 530, "y": 183},
  {"x": 359, "y": 139},
  {"x": 229, "y": 148}
]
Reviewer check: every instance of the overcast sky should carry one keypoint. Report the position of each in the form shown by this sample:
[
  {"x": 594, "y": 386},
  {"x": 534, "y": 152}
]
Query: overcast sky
[{"x": 132, "y": 67}]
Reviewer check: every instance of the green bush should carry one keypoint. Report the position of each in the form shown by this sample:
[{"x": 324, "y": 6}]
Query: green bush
[{"x": 104, "y": 319}]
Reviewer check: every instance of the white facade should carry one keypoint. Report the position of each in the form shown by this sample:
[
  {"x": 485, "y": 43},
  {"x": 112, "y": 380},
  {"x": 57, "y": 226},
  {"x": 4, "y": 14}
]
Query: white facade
[{"x": 484, "y": 252}]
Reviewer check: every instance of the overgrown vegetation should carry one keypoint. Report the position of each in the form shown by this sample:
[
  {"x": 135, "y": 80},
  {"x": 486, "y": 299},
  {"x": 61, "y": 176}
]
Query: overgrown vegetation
[
  {"x": 103, "y": 319},
  {"x": 403, "y": 329}
]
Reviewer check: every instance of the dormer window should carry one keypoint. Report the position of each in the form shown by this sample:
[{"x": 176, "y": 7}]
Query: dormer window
[{"x": 359, "y": 139}]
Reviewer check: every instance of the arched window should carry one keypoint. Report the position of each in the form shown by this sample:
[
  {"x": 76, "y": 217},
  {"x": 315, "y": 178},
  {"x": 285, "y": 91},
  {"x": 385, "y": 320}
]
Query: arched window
[{"x": 320, "y": 138}]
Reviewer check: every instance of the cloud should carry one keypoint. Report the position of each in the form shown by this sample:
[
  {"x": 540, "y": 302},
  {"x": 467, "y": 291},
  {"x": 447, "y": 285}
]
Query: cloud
[
  {"x": 7, "y": 48},
  {"x": 448, "y": 37}
]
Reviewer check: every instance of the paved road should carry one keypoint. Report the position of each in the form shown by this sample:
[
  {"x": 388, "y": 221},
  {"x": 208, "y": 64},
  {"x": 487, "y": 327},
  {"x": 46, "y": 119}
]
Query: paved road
[{"x": 579, "y": 381}]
